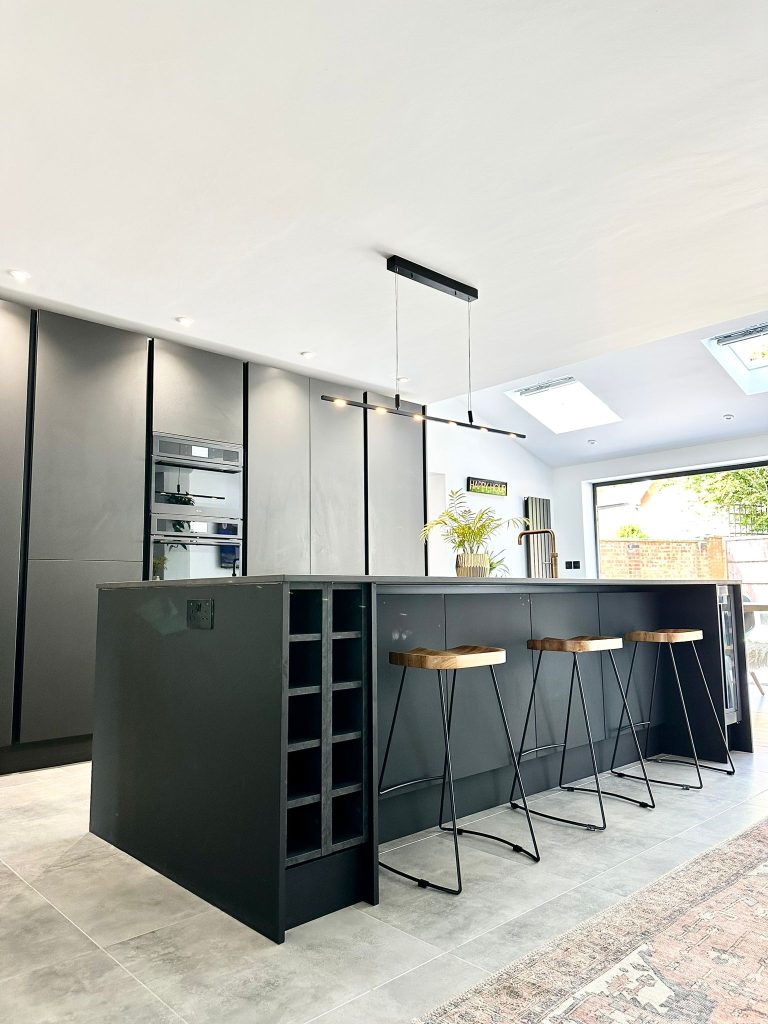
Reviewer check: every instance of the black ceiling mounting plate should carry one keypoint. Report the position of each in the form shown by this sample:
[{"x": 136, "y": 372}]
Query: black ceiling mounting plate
[{"x": 431, "y": 278}]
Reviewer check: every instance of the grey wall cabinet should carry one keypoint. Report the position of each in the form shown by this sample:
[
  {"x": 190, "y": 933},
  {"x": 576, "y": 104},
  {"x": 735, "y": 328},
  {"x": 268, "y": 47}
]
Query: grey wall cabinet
[
  {"x": 14, "y": 342},
  {"x": 87, "y": 497},
  {"x": 337, "y": 475},
  {"x": 86, "y": 509},
  {"x": 396, "y": 511},
  {"x": 60, "y": 644},
  {"x": 197, "y": 393},
  {"x": 279, "y": 473}
]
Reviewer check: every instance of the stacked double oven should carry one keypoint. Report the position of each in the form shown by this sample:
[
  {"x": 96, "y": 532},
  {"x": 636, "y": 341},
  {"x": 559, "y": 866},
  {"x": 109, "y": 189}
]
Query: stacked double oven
[{"x": 196, "y": 512}]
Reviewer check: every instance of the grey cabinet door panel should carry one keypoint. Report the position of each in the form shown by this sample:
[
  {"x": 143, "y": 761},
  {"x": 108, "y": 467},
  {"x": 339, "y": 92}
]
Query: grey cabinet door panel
[
  {"x": 278, "y": 471},
  {"x": 395, "y": 492},
  {"x": 478, "y": 742},
  {"x": 403, "y": 622},
  {"x": 620, "y": 613},
  {"x": 60, "y": 645},
  {"x": 14, "y": 342},
  {"x": 197, "y": 393},
  {"x": 87, "y": 496},
  {"x": 565, "y": 615},
  {"x": 337, "y": 480}
]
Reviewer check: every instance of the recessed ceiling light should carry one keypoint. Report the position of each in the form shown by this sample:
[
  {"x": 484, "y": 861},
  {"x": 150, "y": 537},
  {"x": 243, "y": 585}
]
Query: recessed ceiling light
[
  {"x": 184, "y": 321},
  {"x": 728, "y": 416},
  {"x": 307, "y": 354},
  {"x": 20, "y": 276},
  {"x": 563, "y": 405},
  {"x": 403, "y": 380},
  {"x": 591, "y": 441}
]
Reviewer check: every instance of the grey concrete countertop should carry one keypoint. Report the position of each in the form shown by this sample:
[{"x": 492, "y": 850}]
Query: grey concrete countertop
[{"x": 419, "y": 581}]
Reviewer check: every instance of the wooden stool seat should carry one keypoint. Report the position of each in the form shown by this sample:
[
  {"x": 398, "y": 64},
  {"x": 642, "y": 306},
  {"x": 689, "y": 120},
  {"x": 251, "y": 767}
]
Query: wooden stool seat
[
  {"x": 466, "y": 656},
  {"x": 576, "y": 644},
  {"x": 664, "y": 636}
]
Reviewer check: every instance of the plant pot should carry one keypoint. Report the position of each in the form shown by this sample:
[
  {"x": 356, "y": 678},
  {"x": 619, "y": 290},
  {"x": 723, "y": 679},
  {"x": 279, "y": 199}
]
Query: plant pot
[{"x": 473, "y": 565}]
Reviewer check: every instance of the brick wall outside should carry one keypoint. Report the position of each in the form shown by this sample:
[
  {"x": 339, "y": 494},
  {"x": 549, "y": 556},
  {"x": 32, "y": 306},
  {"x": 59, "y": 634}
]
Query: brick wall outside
[{"x": 664, "y": 559}]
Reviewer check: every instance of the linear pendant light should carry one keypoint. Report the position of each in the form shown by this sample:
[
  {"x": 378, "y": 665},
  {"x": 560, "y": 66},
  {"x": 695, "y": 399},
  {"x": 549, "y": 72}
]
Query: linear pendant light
[{"x": 432, "y": 279}]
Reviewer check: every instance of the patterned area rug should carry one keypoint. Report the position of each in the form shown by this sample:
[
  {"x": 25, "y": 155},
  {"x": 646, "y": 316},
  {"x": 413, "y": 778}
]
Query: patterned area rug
[{"x": 691, "y": 948}]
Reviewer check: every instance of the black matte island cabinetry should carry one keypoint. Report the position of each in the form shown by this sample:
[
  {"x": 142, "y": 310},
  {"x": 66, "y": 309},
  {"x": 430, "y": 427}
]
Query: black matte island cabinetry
[
  {"x": 237, "y": 721},
  {"x": 233, "y": 749}
]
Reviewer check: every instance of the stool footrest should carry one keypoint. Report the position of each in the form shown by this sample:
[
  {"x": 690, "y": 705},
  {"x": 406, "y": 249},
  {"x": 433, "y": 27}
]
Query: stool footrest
[
  {"x": 533, "y": 750},
  {"x": 411, "y": 782},
  {"x": 656, "y": 782},
  {"x": 637, "y": 725}
]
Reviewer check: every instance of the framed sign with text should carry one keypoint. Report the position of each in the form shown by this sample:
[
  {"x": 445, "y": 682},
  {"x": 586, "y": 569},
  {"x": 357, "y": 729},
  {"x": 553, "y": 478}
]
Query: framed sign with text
[{"x": 479, "y": 485}]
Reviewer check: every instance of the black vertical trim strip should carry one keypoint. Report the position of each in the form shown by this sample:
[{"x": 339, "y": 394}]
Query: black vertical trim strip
[
  {"x": 21, "y": 602},
  {"x": 150, "y": 410},
  {"x": 366, "y": 529},
  {"x": 425, "y": 484},
  {"x": 244, "y": 497}
]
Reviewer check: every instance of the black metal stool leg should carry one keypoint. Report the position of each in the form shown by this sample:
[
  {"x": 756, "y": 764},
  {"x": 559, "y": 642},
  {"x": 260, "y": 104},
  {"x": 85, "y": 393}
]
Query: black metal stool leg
[
  {"x": 590, "y": 743},
  {"x": 423, "y": 883},
  {"x": 651, "y": 760},
  {"x": 694, "y": 763},
  {"x": 625, "y": 711},
  {"x": 512, "y": 803},
  {"x": 391, "y": 733},
  {"x": 535, "y": 856},
  {"x": 708, "y": 767},
  {"x": 551, "y": 746},
  {"x": 445, "y": 759}
]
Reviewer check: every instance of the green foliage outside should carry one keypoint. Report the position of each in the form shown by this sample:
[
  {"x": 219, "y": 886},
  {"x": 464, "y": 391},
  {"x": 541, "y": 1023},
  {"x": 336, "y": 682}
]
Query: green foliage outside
[
  {"x": 631, "y": 531},
  {"x": 742, "y": 493}
]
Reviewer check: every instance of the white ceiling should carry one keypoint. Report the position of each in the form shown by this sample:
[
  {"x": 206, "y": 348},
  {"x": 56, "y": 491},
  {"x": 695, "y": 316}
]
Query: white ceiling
[
  {"x": 669, "y": 394},
  {"x": 597, "y": 169}
]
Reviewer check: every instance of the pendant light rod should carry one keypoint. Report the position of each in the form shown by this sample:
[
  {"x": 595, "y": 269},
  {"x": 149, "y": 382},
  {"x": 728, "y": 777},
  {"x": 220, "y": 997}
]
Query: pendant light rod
[
  {"x": 470, "y": 417},
  {"x": 419, "y": 417},
  {"x": 431, "y": 278},
  {"x": 397, "y": 345}
]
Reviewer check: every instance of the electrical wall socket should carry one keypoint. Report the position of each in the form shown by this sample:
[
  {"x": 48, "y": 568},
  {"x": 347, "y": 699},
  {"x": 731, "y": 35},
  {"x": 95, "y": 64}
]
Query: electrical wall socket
[{"x": 200, "y": 614}]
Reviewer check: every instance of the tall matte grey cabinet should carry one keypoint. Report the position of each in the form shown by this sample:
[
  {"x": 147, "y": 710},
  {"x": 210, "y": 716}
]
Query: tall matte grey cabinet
[
  {"x": 395, "y": 482},
  {"x": 337, "y": 482},
  {"x": 197, "y": 394},
  {"x": 278, "y": 471},
  {"x": 86, "y": 510},
  {"x": 14, "y": 343}
]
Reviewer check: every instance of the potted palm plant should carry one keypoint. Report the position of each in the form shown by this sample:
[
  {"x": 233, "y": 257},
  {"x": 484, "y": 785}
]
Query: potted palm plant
[{"x": 470, "y": 533}]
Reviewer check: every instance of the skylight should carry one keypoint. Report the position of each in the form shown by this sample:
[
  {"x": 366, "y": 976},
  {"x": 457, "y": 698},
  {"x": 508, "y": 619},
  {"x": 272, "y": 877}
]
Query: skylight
[
  {"x": 563, "y": 405},
  {"x": 744, "y": 356}
]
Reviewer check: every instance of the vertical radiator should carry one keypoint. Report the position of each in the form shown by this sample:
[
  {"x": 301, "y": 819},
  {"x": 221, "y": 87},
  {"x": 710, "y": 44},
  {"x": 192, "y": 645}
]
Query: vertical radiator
[{"x": 538, "y": 513}]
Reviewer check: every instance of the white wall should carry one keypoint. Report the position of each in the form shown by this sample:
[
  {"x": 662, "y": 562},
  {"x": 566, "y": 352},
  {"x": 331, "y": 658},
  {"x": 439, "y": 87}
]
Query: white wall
[
  {"x": 455, "y": 453},
  {"x": 572, "y": 512}
]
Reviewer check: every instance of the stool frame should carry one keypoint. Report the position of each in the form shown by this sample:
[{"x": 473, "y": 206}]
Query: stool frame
[
  {"x": 694, "y": 761},
  {"x": 447, "y": 781},
  {"x": 598, "y": 789}
]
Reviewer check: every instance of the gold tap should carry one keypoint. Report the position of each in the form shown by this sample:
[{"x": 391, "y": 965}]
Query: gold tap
[{"x": 553, "y": 556}]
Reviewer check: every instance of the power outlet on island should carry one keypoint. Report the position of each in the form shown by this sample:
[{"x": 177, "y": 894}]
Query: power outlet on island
[{"x": 200, "y": 614}]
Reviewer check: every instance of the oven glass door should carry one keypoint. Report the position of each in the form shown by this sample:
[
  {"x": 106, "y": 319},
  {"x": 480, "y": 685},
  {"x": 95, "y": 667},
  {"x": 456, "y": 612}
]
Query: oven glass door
[
  {"x": 189, "y": 492},
  {"x": 194, "y": 558}
]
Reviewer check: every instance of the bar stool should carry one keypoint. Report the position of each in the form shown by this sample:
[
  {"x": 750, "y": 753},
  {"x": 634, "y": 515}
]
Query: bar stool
[
  {"x": 456, "y": 658},
  {"x": 580, "y": 645},
  {"x": 670, "y": 637}
]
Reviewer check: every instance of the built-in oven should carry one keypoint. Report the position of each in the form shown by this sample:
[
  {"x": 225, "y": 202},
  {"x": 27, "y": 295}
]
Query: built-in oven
[
  {"x": 196, "y": 508},
  {"x": 725, "y": 607}
]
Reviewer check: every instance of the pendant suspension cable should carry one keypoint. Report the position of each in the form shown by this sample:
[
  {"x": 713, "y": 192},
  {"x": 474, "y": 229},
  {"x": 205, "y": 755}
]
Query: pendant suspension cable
[
  {"x": 397, "y": 345},
  {"x": 470, "y": 417}
]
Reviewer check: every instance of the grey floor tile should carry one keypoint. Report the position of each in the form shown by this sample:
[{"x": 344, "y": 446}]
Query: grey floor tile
[
  {"x": 367, "y": 951},
  {"x": 410, "y": 995},
  {"x": 32, "y": 933},
  {"x": 495, "y": 890},
  {"x": 518, "y": 937},
  {"x": 212, "y": 969},
  {"x": 110, "y": 895},
  {"x": 91, "y": 989}
]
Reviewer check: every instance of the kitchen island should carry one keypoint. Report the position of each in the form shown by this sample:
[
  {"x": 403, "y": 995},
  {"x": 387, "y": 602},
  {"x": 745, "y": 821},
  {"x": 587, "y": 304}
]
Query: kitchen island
[{"x": 237, "y": 721}]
